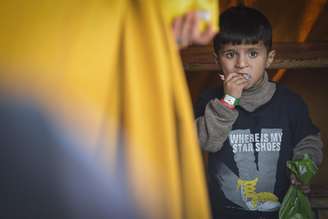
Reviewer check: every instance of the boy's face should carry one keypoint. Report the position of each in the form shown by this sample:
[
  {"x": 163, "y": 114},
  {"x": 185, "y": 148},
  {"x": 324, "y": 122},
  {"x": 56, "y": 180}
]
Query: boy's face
[{"x": 251, "y": 59}]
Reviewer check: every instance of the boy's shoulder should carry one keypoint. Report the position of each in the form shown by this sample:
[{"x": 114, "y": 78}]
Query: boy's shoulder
[
  {"x": 286, "y": 91},
  {"x": 288, "y": 96}
]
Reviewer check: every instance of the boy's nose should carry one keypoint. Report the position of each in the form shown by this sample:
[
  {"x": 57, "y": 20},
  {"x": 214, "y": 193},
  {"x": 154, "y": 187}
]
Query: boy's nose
[{"x": 241, "y": 62}]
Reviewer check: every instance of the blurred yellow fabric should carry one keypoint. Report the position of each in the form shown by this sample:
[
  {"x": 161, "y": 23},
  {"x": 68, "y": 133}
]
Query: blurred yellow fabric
[{"x": 109, "y": 72}]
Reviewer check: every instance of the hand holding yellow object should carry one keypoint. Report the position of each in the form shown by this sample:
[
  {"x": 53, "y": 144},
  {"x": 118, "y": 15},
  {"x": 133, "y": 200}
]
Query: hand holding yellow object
[
  {"x": 206, "y": 10},
  {"x": 186, "y": 31}
]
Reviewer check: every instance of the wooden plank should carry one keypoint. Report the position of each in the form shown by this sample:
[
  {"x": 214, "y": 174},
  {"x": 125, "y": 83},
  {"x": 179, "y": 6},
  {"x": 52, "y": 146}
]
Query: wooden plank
[{"x": 288, "y": 56}]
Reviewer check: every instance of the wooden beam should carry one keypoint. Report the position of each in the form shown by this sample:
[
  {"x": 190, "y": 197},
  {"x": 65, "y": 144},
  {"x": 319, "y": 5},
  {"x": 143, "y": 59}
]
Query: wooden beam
[
  {"x": 310, "y": 16},
  {"x": 288, "y": 56}
]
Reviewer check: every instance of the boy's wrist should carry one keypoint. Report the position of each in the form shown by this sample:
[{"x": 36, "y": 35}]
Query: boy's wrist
[
  {"x": 231, "y": 100},
  {"x": 227, "y": 105}
]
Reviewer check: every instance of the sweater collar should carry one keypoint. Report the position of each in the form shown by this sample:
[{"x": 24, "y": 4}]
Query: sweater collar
[{"x": 258, "y": 95}]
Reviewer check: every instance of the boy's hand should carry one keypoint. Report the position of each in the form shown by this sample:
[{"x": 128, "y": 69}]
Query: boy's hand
[
  {"x": 294, "y": 181},
  {"x": 234, "y": 84}
]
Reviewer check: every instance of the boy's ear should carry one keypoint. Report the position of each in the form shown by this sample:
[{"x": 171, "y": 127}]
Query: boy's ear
[{"x": 270, "y": 58}]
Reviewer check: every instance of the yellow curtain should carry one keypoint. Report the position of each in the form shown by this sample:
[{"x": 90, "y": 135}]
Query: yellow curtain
[{"x": 109, "y": 73}]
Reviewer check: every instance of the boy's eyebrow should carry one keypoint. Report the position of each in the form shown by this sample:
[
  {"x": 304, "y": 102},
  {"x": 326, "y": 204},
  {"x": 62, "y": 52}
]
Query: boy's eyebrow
[
  {"x": 258, "y": 47},
  {"x": 228, "y": 50}
]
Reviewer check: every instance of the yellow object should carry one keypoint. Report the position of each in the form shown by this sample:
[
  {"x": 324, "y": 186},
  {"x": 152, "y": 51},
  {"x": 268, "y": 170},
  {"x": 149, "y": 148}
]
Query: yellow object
[
  {"x": 109, "y": 75},
  {"x": 207, "y": 10},
  {"x": 249, "y": 189}
]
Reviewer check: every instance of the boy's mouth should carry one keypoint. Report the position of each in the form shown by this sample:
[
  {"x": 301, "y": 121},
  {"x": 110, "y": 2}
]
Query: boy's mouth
[{"x": 247, "y": 76}]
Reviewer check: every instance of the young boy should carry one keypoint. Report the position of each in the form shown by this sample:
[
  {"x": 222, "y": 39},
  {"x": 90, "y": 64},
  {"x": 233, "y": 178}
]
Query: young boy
[{"x": 251, "y": 127}]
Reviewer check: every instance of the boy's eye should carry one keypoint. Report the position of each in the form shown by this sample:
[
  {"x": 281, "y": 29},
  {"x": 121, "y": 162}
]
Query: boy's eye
[
  {"x": 229, "y": 55},
  {"x": 253, "y": 54}
]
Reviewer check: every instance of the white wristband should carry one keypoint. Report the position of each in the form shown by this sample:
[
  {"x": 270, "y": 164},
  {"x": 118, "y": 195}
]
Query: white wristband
[{"x": 233, "y": 101}]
